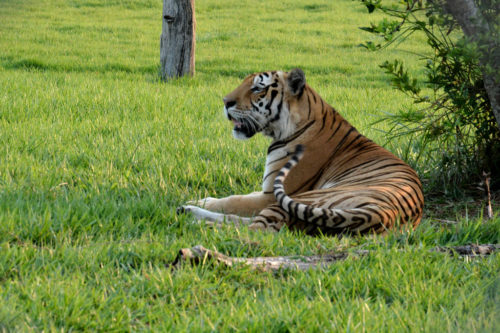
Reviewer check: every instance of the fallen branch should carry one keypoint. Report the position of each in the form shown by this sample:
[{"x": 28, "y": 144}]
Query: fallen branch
[
  {"x": 471, "y": 250},
  {"x": 198, "y": 254}
]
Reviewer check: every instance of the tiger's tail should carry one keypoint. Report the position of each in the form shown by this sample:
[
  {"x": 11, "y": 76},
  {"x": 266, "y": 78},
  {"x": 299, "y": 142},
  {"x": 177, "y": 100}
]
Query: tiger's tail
[
  {"x": 294, "y": 208},
  {"x": 341, "y": 219}
]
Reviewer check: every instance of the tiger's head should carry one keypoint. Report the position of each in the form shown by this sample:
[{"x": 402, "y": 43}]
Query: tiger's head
[{"x": 266, "y": 102}]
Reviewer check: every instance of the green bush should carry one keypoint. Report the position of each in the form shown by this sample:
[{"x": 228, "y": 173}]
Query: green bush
[{"x": 451, "y": 125}]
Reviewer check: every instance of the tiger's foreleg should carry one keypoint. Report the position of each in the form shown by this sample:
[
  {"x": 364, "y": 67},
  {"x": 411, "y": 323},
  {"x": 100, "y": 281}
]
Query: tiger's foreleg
[
  {"x": 213, "y": 218},
  {"x": 271, "y": 218},
  {"x": 240, "y": 205}
]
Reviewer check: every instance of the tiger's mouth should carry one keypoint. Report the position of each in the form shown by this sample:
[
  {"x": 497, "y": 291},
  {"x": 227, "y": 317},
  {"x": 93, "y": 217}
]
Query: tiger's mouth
[
  {"x": 243, "y": 126},
  {"x": 237, "y": 125}
]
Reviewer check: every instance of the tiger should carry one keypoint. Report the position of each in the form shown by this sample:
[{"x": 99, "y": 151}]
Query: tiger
[{"x": 321, "y": 175}]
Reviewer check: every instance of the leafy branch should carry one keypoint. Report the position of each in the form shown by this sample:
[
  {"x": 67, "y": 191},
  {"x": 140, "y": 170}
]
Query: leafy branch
[{"x": 454, "y": 119}]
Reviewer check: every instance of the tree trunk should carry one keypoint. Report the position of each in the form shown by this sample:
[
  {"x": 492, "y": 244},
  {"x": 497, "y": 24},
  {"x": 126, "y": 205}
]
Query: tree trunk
[
  {"x": 477, "y": 29},
  {"x": 177, "y": 39}
]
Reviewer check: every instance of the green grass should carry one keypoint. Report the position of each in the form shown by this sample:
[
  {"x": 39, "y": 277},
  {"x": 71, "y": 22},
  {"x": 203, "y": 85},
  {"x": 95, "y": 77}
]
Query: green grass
[{"x": 96, "y": 154}]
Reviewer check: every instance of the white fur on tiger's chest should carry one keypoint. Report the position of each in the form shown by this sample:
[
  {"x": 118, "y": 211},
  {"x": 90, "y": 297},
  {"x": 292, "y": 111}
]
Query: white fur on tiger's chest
[{"x": 274, "y": 162}]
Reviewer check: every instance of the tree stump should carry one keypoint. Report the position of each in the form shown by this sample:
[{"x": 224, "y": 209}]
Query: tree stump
[{"x": 177, "y": 41}]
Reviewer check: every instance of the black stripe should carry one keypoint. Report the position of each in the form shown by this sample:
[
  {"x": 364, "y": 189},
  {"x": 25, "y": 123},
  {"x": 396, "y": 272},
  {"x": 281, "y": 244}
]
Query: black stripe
[
  {"x": 342, "y": 199},
  {"x": 281, "y": 201},
  {"x": 281, "y": 143},
  {"x": 391, "y": 165},
  {"x": 368, "y": 216},
  {"x": 270, "y": 173},
  {"x": 404, "y": 197},
  {"x": 343, "y": 140},
  {"x": 309, "y": 106},
  {"x": 289, "y": 207},
  {"x": 296, "y": 210},
  {"x": 307, "y": 212},
  {"x": 274, "y": 93},
  {"x": 400, "y": 206},
  {"x": 335, "y": 132},
  {"x": 324, "y": 121},
  {"x": 371, "y": 179},
  {"x": 342, "y": 218},
  {"x": 356, "y": 168},
  {"x": 278, "y": 112},
  {"x": 363, "y": 205},
  {"x": 354, "y": 140},
  {"x": 317, "y": 217},
  {"x": 387, "y": 199},
  {"x": 278, "y": 211},
  {"x": 279, "y": 159}
]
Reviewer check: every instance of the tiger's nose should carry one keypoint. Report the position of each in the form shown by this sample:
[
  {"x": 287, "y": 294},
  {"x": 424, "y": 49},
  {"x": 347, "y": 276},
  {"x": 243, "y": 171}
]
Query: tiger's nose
[{"x": 228, "y": 103}]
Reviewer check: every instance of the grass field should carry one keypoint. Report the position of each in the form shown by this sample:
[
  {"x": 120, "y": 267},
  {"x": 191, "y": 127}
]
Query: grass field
[{"x": 96, "y": 154}]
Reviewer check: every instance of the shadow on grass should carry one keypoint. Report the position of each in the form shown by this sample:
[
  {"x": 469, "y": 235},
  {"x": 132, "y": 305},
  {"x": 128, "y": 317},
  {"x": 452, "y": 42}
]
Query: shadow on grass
[{"x": 37, "y": 65}]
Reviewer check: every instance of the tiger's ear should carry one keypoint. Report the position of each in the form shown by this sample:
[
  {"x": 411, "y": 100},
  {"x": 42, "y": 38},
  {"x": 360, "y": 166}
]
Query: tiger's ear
[{"x": 296, "y": 81}]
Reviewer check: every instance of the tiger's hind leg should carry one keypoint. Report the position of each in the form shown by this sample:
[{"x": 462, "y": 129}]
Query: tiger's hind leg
[{"x": 271, "y": 218}]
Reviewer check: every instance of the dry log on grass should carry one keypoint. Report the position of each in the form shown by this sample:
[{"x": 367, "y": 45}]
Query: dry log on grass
[
  {"x": 198, "y": 254},
  {"x": 471, "y": 250}
]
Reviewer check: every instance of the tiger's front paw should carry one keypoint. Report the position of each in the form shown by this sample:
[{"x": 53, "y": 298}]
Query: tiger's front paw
[
  {"x": 199, "y": 214},
  {"x": 186, "y": 209},
  {"x": 182, "y": 210}
]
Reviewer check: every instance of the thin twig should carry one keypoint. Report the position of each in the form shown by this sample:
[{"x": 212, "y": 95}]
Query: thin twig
[
  {"x": 487, "y": 185},
  {"x": 446, "y": 221}
]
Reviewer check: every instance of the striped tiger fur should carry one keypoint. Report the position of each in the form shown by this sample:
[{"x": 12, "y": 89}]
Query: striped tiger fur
[{"x": 321, "y": 174}]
